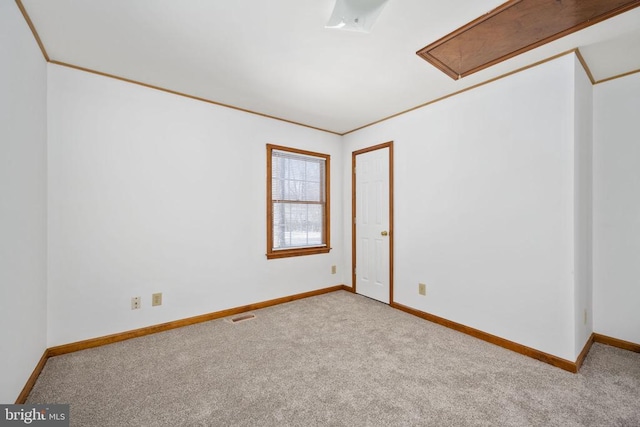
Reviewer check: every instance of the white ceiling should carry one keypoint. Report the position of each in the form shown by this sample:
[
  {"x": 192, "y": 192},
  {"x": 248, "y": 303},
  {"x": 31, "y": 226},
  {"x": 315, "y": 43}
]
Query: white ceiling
[{"x": 276, "y": 58}]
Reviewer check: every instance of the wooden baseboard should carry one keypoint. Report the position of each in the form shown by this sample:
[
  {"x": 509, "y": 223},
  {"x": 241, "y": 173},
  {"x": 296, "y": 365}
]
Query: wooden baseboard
[
  {"x": 109, "y": 339},
  {"x": 584, "y": 352},
  {"x": 615, "y": 342},
  {"x": 123, "y": 336},
  {"x": 22, "y": 397},
  {"x": 509, "y": 345}
]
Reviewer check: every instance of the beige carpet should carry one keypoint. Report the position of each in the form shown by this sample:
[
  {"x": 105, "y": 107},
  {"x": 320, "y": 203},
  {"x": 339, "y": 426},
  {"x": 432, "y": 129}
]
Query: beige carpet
[{"x": 339, "y": 360}]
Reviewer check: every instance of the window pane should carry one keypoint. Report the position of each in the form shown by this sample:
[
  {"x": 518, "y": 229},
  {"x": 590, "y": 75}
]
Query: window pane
[
  {"x": 294, "y": 190},
  {"x": 312, "y": 192},
  {"x": 297, "y": 225},
  {"x": 295, "y": 169},
  {"x": 276, "y": 188},
  {"x": 313, "y": 171},
  {"x": 297, "y": 178}
]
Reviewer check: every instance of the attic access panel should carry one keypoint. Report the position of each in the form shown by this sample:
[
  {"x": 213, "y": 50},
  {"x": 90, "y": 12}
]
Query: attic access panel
[{"x": 514, "y": 28}]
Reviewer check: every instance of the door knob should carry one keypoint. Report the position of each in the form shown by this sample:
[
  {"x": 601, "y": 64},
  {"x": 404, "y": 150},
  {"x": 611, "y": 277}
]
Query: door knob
[{"x": 384, "y": 233}]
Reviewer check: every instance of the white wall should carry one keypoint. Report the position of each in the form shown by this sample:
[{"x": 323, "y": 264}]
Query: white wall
[
  {"x": 583, "y": 178},
  {"x": 23, "y": 132},
  {"x": 484, "y": 206},
  {"x": 616, "y": 208},
  {"x": 151, "y": 192}
]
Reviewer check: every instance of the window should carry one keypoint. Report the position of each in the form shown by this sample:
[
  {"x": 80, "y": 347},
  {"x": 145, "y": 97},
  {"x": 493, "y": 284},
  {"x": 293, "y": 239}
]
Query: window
[{"x": 297, "y": 202}]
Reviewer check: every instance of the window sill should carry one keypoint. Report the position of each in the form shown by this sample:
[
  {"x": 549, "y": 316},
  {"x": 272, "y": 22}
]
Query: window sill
[{"x": 285, "y": 253}]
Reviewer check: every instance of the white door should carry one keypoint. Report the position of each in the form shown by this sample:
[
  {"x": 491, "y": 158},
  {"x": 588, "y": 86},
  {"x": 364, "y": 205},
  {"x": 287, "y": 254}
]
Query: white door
[{"x": 372, "y": 224}]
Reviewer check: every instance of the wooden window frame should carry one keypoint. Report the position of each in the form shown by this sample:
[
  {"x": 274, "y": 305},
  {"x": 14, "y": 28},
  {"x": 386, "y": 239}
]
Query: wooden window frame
[{"x": 326, "y": 230}]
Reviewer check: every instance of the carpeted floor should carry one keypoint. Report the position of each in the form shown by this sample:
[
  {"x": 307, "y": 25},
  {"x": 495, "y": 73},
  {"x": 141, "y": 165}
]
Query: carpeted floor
[{"x": 337, "y": 359}]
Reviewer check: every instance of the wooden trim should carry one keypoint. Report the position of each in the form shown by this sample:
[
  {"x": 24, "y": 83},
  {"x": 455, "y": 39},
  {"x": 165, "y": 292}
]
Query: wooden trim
[
  {"x": 326, "y": 226},
  {"x": 437, "y": 62},
  {"x": 33, "y": 29},
  {"x": 391, "y": 222},
  {"x": 442, "y": 98},
  {"x": 353, "y": 223},
  {"x": 297, "y": 151},
  {"x": 493, "y": 38},
  {"x": 618, "y": 76},
  {"x": 327, "y": 204},
  {"x": 615, "y": 342},
  {"x": 373, "y": 148},
  {"x": 269, "y": 211},
  {"x": 585, "y": 66},
  {"x": 22, "y": 397},
  {"x": 509, "y": 345},
  {"x": 109, "y": 339},
  {"x": 197, "y": 98},
  {"x": 209, "y": 101},
  {"x": 584, "y": 352},
  {"x": 123, "y": 336},
  {"x": 288, "y": 253},
  {"x": 354, "y": 154}
]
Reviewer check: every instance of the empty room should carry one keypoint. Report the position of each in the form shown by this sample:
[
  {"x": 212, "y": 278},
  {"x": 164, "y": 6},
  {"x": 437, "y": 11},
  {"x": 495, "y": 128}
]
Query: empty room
[{"x": 320, "y": 212}]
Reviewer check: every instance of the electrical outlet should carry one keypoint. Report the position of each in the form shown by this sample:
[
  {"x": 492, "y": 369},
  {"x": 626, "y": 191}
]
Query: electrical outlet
[
  {"x": 156, "y": 299},
  {"x": 422, "y": 289},
  {"x": 333, "y": 269},
  {"x": 135, "y": 303}
]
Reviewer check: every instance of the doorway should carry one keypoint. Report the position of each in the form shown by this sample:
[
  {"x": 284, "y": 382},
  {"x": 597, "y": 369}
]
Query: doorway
[{"x": 372, "y": 223}]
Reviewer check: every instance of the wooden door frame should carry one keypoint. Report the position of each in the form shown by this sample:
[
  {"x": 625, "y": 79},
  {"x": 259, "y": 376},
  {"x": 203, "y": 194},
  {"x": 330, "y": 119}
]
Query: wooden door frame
[{"x": 354, "y": 154}]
